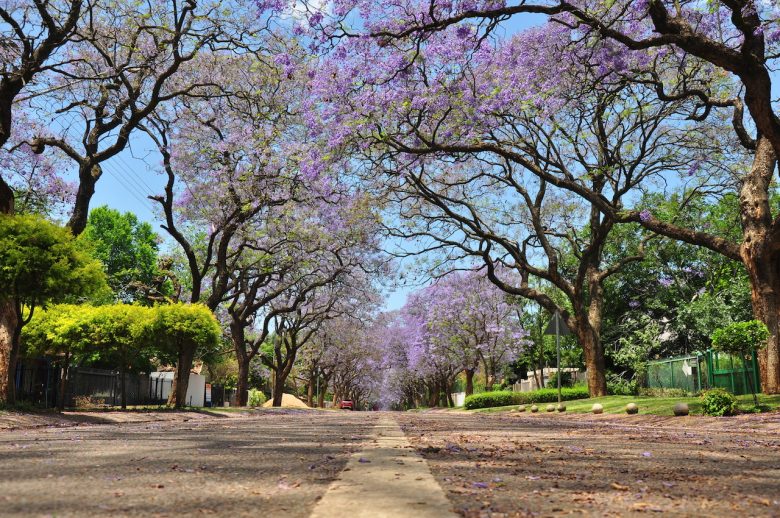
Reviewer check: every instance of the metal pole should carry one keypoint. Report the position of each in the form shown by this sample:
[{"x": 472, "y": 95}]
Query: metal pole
[{"x": 558, "y": 349}]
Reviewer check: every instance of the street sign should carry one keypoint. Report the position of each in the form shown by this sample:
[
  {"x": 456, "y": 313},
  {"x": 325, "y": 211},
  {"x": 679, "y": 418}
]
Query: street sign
[
  {"x": 558, "y": 328},
  {"x": 561, "y": 330}
]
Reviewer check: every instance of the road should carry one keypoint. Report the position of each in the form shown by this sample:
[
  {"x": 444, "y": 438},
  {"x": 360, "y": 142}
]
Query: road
[{"x": 304, "y": 463}]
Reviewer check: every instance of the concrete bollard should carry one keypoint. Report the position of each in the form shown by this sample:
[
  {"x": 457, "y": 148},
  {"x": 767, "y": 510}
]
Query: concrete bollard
[
  {"x": 521, "y": 408},
  {"x": 561, "y": 407},
  {"x": 597, "y": 408},
  {"x": 550, "y": 408},
  {"x": 681, "y": 409},
  {"x": 632, "y": 408},
  {"x": 534, "y": 409}
]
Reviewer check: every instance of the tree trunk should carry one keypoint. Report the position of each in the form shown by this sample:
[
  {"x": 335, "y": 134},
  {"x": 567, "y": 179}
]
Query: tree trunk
[
  {"x": 123, "y": 386},
  {"x": 310, "y": 391},
  {"x": 181, "y": 378},
  {"x": 760, "y": 252},
  {"x": 469, "y": 381},
  {"x": 88, "y": 177},
  {"x": 64, "y": 381},
  {"x": 323, "y": 389},
  {"x": 242, "y": 385},
  {"x": 594, "y": 360},
  {"x": 279, "y": 380},
  {"x": 8, "y": 317}
]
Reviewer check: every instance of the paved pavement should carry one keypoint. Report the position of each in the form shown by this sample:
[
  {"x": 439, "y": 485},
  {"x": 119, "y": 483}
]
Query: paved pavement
[{"x": 385, "y": 479}]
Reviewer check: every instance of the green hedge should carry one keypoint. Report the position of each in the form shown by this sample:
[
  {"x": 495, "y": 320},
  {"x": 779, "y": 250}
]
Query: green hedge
[{"x": 506, "y": 398}]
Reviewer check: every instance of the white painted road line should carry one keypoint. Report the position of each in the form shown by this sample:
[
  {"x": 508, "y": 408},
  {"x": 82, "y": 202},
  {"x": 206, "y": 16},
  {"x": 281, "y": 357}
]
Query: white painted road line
[{"x": 385, "y": 480}]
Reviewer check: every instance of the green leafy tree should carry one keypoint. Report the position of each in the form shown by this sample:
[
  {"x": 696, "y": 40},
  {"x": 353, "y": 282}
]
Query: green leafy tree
[
  {"x": 742, "y": 339},
  {"x": 128, "y": 249},
  {"x": 120, "y": 335},
  {"x": 40, "y": 263},
  {"x": 65, "y": 332},
  {"x": 181, "y": 332}
]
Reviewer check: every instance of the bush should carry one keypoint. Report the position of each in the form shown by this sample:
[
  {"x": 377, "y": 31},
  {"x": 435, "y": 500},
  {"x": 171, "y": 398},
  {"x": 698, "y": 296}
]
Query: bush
[
  {"x": 506, "y": 398},
  {"x": 490, "y": 399},
  {"x": 565, "y": 380},
  {"x": 718, "y": 402},
  {"x": 256, "y": 398},
  {"x": 617, "y": 385}
]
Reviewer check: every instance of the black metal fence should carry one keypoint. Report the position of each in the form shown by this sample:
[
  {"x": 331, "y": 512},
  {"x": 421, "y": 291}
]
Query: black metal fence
[{"x": 38, "y": 382}]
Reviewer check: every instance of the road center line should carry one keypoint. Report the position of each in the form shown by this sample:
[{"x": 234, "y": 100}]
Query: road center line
[{"x": 386, "y": 479}]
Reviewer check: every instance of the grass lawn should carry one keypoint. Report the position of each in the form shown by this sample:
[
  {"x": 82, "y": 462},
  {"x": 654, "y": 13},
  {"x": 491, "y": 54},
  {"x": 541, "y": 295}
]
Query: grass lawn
[{"x": 647, "y": 404}]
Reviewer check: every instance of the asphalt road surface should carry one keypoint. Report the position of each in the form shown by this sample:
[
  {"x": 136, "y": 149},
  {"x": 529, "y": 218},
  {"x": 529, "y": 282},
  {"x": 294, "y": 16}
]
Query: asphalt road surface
[{"x": 342, "y": 464}]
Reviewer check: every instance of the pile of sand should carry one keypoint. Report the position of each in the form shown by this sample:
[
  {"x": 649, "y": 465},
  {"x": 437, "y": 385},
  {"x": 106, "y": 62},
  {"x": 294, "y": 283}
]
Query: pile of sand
[{"x": 288, "y": 401}]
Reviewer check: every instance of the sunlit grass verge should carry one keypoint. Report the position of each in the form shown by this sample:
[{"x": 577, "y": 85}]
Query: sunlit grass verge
[{"x": 647, "y": 405}]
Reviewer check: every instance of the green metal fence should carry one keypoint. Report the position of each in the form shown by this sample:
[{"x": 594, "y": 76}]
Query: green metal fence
[
  {"x": 682, "y": 372},
  {"x": 697, "y": 372},
  {"x": 733, "y": 373}
]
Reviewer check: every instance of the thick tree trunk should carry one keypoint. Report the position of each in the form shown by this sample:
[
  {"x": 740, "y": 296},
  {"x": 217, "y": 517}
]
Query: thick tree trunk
[
  {"x": 469, "y": 381},
  {"x": 310, "y": 392},
  {"x": 760, "y": 252},
  {"x": 88, "y": 177},
  {"x": 242, "y": 385},
  {"x": 594, "y": 361},
  {"x": 279, "y": 380},
  {"x": 181, "y": 378}
]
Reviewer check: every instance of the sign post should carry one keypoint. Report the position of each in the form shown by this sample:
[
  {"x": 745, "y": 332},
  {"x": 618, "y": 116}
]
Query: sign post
[{"x": 557, "y": 327}]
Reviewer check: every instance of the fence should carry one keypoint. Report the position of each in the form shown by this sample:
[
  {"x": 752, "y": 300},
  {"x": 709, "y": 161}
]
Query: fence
[
  {"x": 694, "y": 373},
  {"x": 38, "y": 382},
  {"x": 682, "y": 372}
]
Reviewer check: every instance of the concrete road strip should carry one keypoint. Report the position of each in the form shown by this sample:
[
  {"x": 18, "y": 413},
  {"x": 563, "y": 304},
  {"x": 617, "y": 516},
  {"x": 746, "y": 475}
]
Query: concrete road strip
[{"x": 385, "y": 480}]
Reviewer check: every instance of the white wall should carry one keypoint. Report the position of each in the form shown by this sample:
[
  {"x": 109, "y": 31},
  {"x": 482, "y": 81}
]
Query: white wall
[{"x": 196, "y": 390}]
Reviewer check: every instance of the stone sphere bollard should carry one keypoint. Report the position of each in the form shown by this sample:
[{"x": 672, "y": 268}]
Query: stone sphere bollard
[
  {"x": 550, "y": 408},
  {"x": 597, "y": 408},
  {"x": 521, "y": 408},
  {"x": 681, "y": 409},
  {"x": 534, "y": 409},
  {"x": 561, "y": 407},
  {"x": 631, "y": 408}
]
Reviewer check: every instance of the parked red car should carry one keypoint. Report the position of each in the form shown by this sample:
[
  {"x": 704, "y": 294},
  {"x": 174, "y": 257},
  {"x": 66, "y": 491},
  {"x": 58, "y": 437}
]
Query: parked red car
[{"x": 346, "y": 404}]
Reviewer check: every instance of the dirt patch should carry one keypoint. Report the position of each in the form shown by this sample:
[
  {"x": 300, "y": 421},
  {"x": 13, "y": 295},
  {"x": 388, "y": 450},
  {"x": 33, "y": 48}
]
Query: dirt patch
[
  {"x": 510, "y": 465},
  {"x": 288, "y": 401}
]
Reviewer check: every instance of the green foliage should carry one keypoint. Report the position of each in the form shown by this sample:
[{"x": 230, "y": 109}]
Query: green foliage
[
  {"x": 490, "y": 399},
  {"x": 505, "y": 398},
  {"x": 718, "y": 402},
  {"x": 128, "y": 250},
  {"x": 566, "y": 380},
  {"x": 41, "y": 263},
  {"x": 180, "y": 328},
  {"x": 122, "y": 336},
  {"x": 660, "y": 392},
  {"x": 256, "y": 398},
  {"x": 740, "y": 338},
  {"x": 619, "y": 386}
]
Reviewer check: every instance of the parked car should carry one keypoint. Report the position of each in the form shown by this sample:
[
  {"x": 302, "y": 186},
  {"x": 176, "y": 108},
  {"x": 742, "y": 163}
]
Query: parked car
[{"x": 346, "y": 404}]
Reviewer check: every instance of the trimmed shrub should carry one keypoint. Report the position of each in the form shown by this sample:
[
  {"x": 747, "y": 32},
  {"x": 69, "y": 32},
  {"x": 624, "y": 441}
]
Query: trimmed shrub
[
  {"x": 506, "y": 398},
  {"x": 718, "y": 402},
  {"x": 256, "y": 398},
  {"x": 491, "y": 399}
]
